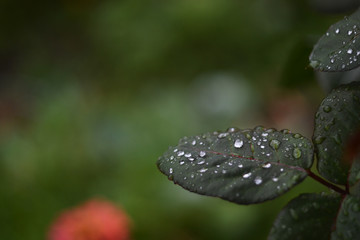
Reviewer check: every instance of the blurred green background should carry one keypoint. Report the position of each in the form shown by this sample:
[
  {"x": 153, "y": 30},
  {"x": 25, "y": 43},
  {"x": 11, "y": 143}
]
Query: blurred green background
[{"x": 93, "y": 92}]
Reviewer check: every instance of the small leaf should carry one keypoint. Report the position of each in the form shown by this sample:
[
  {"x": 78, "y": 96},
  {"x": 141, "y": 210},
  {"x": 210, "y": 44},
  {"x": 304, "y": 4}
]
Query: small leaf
[
  {"x": 241, "y": 166},
  {"x": 309, "y": 216},
  {"x": 339, "y": 49},
  {"x": 336, "y": 120},
  {"x": 348, "y": 220}
]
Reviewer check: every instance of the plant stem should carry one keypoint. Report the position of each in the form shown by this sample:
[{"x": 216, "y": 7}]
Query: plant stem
[{"x": 324, "y": 182}]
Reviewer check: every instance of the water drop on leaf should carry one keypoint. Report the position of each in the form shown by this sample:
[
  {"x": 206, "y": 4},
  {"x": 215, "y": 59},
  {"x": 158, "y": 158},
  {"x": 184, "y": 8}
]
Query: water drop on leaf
[
  {"x": 274, "y": 144},
  {"x": 247, "y": 175},
  {"x": 202, "y": 153},
  {"x": 293, "y": 214},
  {"x": 238, "y": 143},
  {"x": 296, "y": 153},
  {"x": 258, "y": 180},
  {"x": 327, "y": 109}
]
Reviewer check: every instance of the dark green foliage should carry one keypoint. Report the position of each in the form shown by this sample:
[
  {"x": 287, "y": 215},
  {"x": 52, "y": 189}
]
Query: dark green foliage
[
  {"x": 309, "y": 216},
  {"x": 339, "y": 48},
  {"x": 337, "y": 119},
  {"x": 252, "y": 166},
  {"x": 348, "y": 220},
  {"x": 354, "y": 175},
  {"x": 242, "y": 166}
]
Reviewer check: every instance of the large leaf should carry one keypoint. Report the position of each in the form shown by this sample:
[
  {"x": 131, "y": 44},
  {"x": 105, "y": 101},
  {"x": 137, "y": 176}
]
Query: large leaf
[
  {"x": 339, "y": 48},
  {"x": 337, "y": 119},
  {"x": 242, "y": 166},
  {"x": 309, "y": 216},
  {"x": 348, "y": 220}
]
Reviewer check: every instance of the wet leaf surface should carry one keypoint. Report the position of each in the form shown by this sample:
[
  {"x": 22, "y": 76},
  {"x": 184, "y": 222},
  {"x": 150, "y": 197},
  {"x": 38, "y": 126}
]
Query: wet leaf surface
[
  {"x": 339, "y": 49},
  {"x": 309, "y": 216},
  {"x": 348, "y": 220},
  {"x": 336, "y": 121},
  {"x": 241, "y": 166}
]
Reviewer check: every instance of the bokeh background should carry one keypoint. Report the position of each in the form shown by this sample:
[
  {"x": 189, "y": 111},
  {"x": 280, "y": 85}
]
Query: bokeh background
[{"x": 93, "y": 92}]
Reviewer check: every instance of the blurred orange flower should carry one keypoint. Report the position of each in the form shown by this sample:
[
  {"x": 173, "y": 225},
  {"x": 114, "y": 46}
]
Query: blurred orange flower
[{"x": 94, "y": 220}]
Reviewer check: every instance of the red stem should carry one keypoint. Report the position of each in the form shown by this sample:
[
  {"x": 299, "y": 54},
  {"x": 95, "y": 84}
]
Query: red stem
[{"x": 324, "y": 182}]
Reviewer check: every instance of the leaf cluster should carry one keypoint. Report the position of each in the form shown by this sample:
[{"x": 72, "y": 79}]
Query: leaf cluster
[{"x": 248, "y": 166}]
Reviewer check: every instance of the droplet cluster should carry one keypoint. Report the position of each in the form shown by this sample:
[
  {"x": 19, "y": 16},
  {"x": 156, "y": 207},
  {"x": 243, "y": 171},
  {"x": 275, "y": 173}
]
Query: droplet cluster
[
  {"x": 238, "y": 161},
  {"x": 331, "y": 133},
  {"x": 338, "y": 50}
]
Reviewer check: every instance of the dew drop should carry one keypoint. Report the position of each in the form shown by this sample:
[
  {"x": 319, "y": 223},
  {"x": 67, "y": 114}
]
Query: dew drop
[
  {"x": 275, "y": 179},
  {"x": 266, "y": 165},
  {"x": 349, "y": 51},
  {"x": 285, "y": 131},
  {"x": 238, "y": 143},
  {"x": 258, "y": 180},
  {"x": 202, "y": 154},
  {"x": 327, "y": 109},
  {"x": 232, "y": 129},
  {"x": 270, "y": 130},
  {"x": 202, "y": 170},
  {"x": 182, "y": 163},
  {"x": 193, "y": 142},
  {"x": 314, "y": 63},
  {"x": 337, "y": 31},
  {"x": 240, "y": 165},
  {"x": 201, "y": 162},
  {"x": 296, "y": 153},
  {"x": 332, "y": 60},
  {"x": 337, "y": 138},
  {"x": 350, "y": 32},
  {"x": 187, "y": 155},
  {"x": 293, "y": 214},
  {"x": 247, "y": 175},
  {"x": 222, "y": 135},
  {"x": 180, "y": 153},
  {"x": 274, "y": 144},
  {"x": 171, "y": 171},
  {"x": 296, "y": 135}
]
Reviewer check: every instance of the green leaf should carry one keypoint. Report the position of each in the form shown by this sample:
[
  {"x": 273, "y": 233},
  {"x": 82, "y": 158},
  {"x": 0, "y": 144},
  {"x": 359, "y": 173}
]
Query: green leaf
[
  {"x": 348, "y": 220},
  {"x": 309, "y": 216},
  {"x": 339, "y": 49},
  {"x": 336, "y": 120},
  {"x": 241, "y": 166},
  {"x": 354, "y": 175}
]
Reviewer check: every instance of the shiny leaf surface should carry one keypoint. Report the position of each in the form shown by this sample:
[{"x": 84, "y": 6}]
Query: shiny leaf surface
[
  {"x": 348, "y": 220},
  {"x": 241, "y": 166},
  {"x": 339, "y": 49},
  {"x": 336, "y": 122},
  {"x": 309, "y": 216}
]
